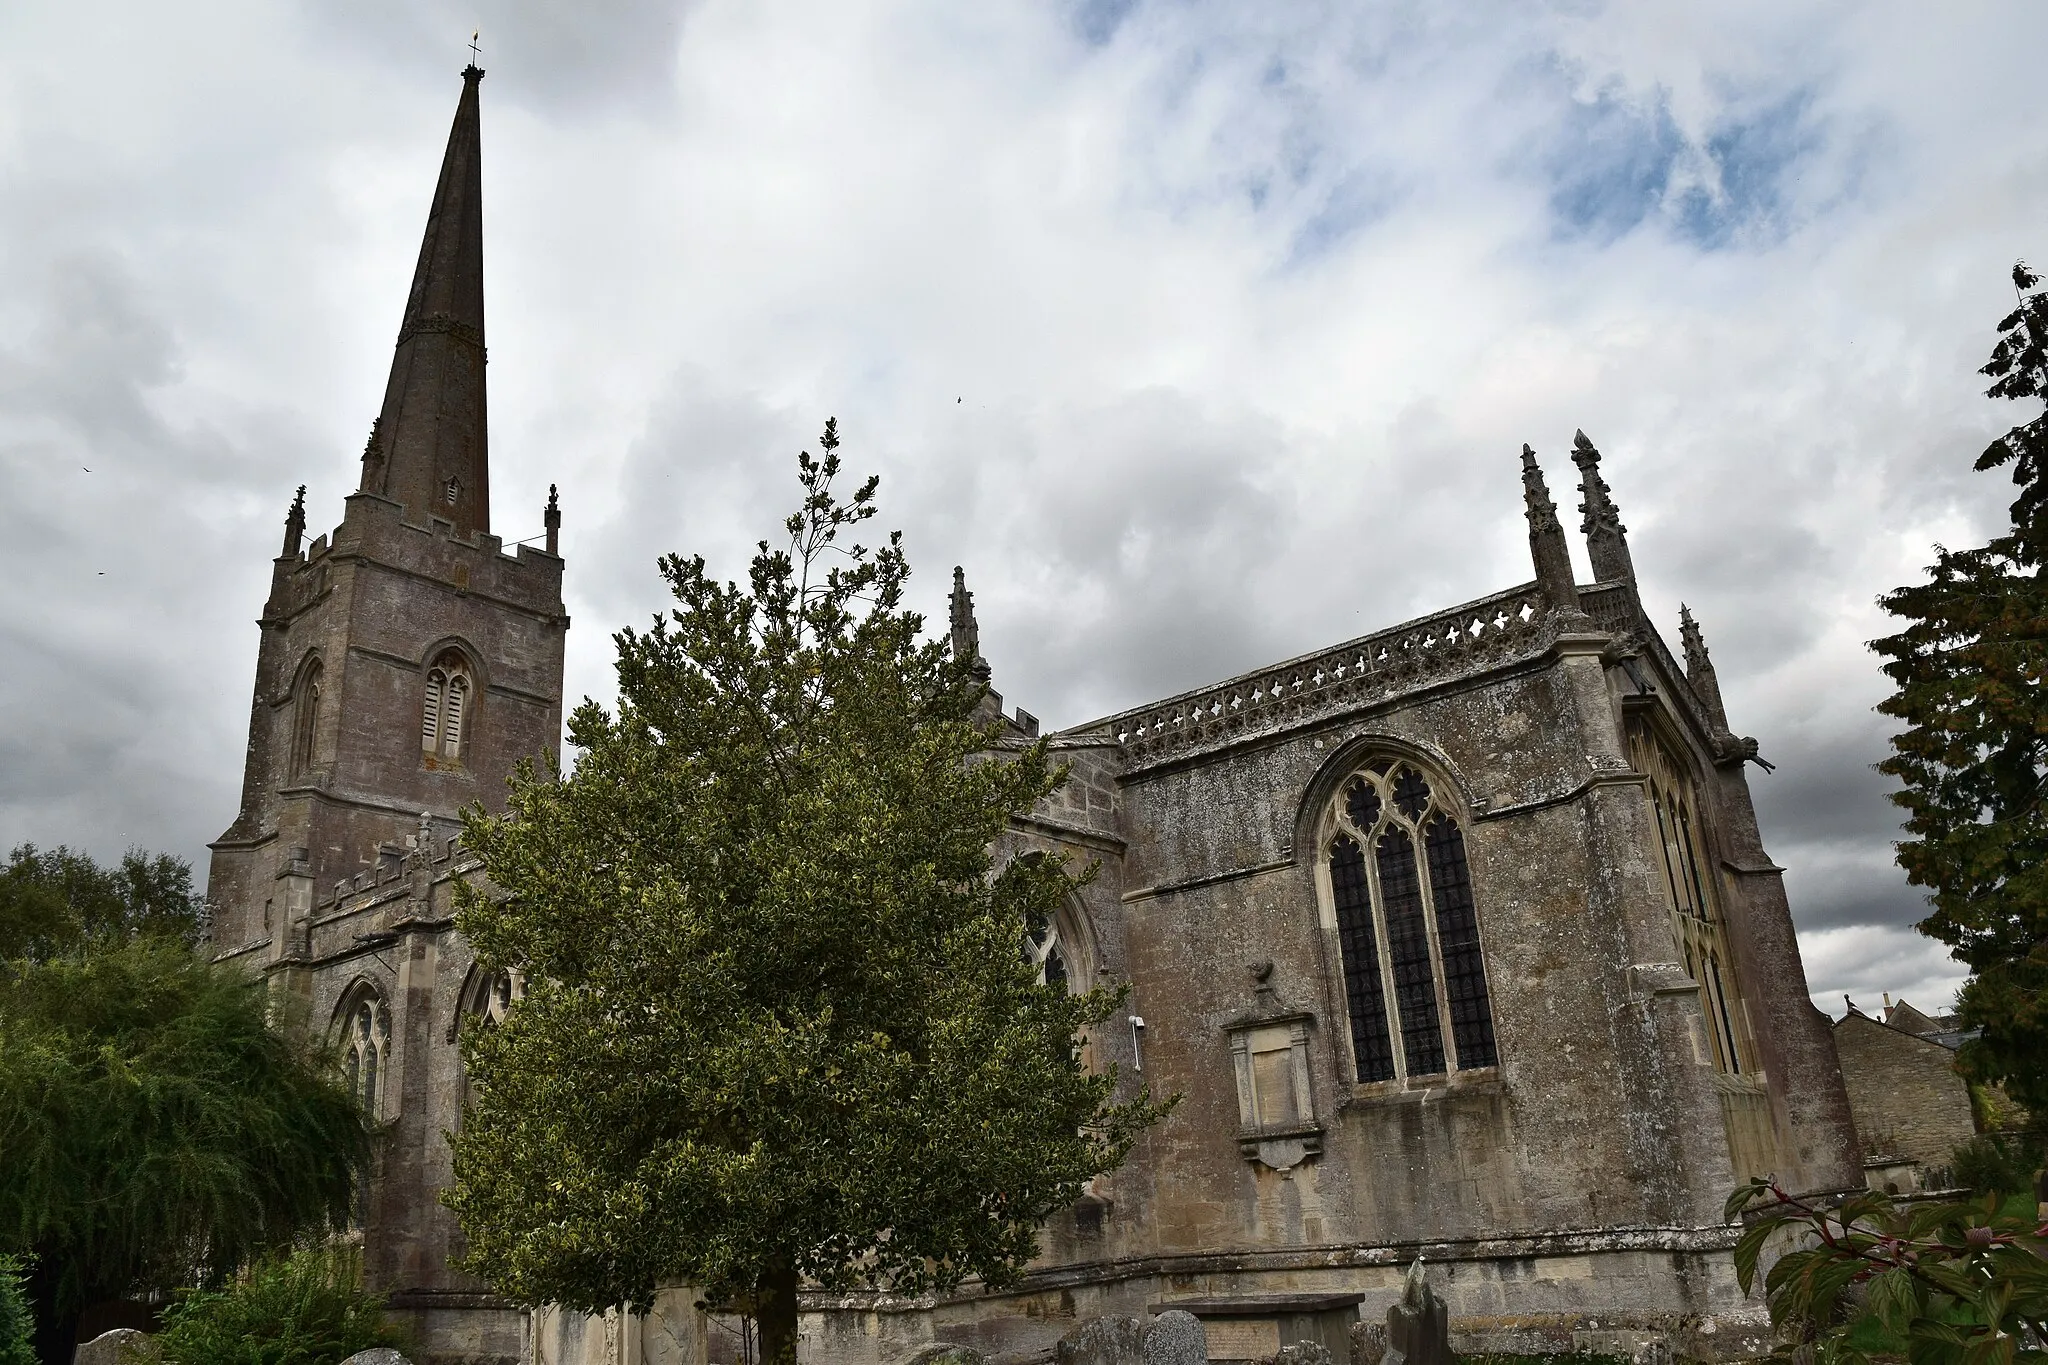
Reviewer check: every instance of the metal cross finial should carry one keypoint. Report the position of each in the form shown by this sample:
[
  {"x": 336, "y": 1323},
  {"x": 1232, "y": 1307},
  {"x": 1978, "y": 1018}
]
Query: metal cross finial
[{"x": 474, "y": 50}]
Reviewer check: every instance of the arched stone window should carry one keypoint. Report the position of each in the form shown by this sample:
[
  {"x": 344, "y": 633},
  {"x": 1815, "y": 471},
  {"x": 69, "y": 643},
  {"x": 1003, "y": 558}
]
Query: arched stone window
[
  {"x": 1697, "y": 927},
  {"x": 497, "y": 992},
  {"x": 306, "y": 717},
  {"x": 1044, "y": 950},
  {"x": 445, "y": 712},
  {"x": 486, "y": 995},
  {"x": 366, "y": 1049},
  {"x": 1401, "y": 892},
  {"x": 1061, "y": 948}
]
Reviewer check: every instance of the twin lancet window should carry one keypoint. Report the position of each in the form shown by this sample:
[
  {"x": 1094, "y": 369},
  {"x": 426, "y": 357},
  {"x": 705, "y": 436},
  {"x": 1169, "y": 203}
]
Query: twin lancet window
[
  {"x": 1402, "y": 892},
  {"x": 447, "y": 706},
  {"x": 367, "y": 1044}
]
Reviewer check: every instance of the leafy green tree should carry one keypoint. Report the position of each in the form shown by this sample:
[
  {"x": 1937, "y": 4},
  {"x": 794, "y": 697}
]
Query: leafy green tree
[
  {"x": 1971, "y": 673},
  {"x": 307, "y": 1308},
  {"x": 1868, "y": 1279},
  {"x": 57, "y": 900},
  {"x": 778, "y": 1022},
  {"x": 156, "y": 1125},
  {"x": 17, "y": 1324}
]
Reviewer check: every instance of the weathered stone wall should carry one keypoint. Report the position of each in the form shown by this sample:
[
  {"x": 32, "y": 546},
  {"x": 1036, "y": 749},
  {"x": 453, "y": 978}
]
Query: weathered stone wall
[{"x": 1908, "y": 1100}]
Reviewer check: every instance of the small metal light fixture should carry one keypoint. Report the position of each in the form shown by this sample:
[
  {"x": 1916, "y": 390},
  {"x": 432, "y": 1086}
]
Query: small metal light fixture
[{"x": 1137, "y": 1043}]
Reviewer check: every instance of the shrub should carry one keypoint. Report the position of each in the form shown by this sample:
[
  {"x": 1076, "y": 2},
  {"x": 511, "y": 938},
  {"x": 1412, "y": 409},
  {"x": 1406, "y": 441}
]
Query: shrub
[
  {"x": 17, "y": 1324},
  {"x": 308, "y": 1308},
  {"x": 2001, "y": 1163}
]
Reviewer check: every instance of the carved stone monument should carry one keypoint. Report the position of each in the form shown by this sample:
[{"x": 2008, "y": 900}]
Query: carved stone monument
[
  {"x": 1102, "y": 1341},
  {"x": 1419, "y": 1326},
  {"x": 1175, "y": 1338}
]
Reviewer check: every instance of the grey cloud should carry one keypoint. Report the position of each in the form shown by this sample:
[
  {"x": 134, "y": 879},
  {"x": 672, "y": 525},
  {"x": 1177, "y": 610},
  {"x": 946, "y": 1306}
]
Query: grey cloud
[{"x": 565, "y": 59}]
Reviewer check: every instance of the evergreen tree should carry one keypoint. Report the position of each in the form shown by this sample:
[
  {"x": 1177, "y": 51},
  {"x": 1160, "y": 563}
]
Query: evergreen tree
[
  {"x": 1971, "y": 672},
  {"x": 778, "y": 1022}
]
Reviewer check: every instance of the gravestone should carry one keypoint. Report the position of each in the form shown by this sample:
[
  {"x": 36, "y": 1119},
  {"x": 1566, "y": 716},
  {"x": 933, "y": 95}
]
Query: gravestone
[
  {"x": 1303, "y": 1353},
  {"x": 377, "y": 1355},
  {"x": 122, "y": 1346},
  {"x": 1175, "y": 1338},
  {"x": 1368, "y": 1343},
  {"x": 1419, "y": 1326},
  {"x": 1102, "y": 1341}
]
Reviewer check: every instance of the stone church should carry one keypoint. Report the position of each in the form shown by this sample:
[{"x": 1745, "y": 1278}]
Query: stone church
[{"x": 1458, "y": 939}]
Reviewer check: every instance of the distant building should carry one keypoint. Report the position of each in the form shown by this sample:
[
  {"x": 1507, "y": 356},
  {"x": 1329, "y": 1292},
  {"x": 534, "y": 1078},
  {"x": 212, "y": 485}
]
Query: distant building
[
  {"x": 1912, "y": 1108},
  {"x": 1458, "y": 938}
]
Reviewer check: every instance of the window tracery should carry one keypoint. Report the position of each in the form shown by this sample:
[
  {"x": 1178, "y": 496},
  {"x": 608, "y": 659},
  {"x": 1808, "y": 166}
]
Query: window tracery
[
  {"x": 306, "y": 717},
  {"x": 1046, "y": 950},
  {"x": 1697, "y": 927},
  {"x": 447, "y": 702},
  {"x": 366, "y": 1051},
  {"x": 1407, "y": 927}
]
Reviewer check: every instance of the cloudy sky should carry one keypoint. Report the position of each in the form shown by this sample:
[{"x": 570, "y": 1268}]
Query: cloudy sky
[{"x": 1202, "y": 334}]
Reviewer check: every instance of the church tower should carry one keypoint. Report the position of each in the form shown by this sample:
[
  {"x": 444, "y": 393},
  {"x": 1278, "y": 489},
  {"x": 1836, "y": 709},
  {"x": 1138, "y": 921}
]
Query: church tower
[{"x": 407, "y": 663}]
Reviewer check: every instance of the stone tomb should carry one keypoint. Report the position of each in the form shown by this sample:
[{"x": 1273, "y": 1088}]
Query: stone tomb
[{"x": 1255, "y": 1327}]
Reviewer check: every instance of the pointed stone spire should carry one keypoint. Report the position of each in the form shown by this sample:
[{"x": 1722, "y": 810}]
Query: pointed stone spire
[
  {"x": 1547, "y": 545},
  {"x": 1699, "y": 669},
  {"x": 294, "y": 526},
  {"x": 430, "y": 442},
  {"x": 552, "y": 519},
  {"x": 965, "y": 630},
  {"x": 1606, "y": 537}
]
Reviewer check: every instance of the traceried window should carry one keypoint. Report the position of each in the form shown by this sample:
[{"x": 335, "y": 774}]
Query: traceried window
[
  {"x": 446, "y": 708},
  {"x": 306, "y": 717},
  {"x": 1696, "y": 924},
  {"x": 1414, "y": 977},
  {"x": 1045, "y": 949},
  {"x": 366, "y": 1051},
  {"x": 499, "y": 990}
]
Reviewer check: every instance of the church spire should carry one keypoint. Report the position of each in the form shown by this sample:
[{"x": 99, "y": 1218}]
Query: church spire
[
  {"x": 1546, "y": 538},
  {"x": 429, "y": 449},
  {"x": 1606, "y": 537}
]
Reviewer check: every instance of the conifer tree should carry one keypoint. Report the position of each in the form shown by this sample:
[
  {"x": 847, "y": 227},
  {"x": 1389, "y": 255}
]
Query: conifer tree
[
  {"x": 778, "y": 1024},
  {"x": 1971, "y": 673}
]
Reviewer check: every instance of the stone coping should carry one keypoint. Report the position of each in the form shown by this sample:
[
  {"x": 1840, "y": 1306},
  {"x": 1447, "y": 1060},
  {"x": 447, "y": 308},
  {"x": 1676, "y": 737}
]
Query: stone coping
[{"x": 1258, "y": 1305}]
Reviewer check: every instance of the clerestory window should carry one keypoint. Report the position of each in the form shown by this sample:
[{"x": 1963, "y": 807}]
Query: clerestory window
[
  {"x": 1407, "y": 927},
  {"x": 1697, "y": 927},
  {"x": 447, "y": 706}
]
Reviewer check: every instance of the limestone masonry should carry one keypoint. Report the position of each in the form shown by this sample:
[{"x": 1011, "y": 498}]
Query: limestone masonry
[{"x": 1459, "y": 939}]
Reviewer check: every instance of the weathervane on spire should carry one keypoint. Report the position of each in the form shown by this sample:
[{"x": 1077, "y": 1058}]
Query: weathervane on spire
[{"x": 474, "y": 50}]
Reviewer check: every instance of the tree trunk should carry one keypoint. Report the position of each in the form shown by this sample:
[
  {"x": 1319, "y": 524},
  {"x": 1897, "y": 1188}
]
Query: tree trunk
[{"x": 775, "y": 1312}]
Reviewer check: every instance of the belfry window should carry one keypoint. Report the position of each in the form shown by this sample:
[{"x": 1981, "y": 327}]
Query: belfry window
[
  {"x": 306, "y": 717},
  {"x": 1407, "y": 928},
  {"x": 446, "y": 706},
  {"x": 1697, "y": 928},
  {"x": 366, "y": 1051}
]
